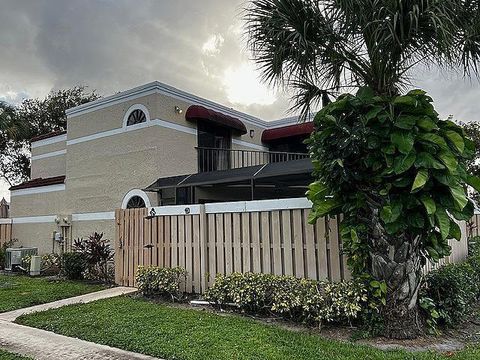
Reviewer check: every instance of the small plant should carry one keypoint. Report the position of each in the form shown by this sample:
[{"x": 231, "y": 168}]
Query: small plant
[
  {"x": 98, "y": 255},
  {"x": 73, "y": 265},
  {"x": 163, "y": 282}
]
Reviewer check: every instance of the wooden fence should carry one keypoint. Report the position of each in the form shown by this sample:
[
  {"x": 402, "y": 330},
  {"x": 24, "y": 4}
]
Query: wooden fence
[
  {"x": 5, "y": 231},
  {"x": 271, "y": 236}
]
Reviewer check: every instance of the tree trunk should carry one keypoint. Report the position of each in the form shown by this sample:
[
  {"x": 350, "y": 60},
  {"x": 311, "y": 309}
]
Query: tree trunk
[{"x": 396, "y": 260}]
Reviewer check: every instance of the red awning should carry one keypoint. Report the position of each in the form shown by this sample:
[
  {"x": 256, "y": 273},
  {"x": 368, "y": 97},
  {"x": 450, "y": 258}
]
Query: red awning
[
  {"x": 200, "y": 113},
  {"x": 39, "y": 182},
  {"x": 288, "y": 131}
]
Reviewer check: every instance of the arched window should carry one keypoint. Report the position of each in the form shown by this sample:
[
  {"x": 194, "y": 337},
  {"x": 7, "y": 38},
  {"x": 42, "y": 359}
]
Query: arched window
[
  {"x": 135, "y": 199},
  {"x": 137, "y": 116},
  {"x": 135, "y": 202}
]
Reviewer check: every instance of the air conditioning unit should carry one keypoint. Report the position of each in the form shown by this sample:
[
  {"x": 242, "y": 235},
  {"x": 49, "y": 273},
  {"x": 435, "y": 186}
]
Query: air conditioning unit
[{"x": 14, "y": 256}]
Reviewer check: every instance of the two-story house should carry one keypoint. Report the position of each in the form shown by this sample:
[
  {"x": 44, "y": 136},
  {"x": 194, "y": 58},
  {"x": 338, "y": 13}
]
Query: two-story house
[{"x": 153, "y": 145}]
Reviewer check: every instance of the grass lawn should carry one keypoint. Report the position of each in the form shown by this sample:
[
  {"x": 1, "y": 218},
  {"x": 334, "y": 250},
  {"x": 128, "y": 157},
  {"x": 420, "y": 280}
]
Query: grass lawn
[
  {"x": 21, "y": 291},
  {"x": 173, "y": 333},
  {"x": 9, "y": 356}
]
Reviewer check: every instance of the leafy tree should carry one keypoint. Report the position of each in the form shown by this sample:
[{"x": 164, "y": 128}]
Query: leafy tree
[
  {"x": 35, "y": 117},
  {"x": 386, "y": 162}
]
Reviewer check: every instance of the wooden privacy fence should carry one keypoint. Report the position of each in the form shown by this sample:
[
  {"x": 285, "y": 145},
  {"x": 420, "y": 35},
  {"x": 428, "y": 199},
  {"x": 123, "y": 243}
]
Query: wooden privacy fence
[
  {"x": 5, "y": 231},
  {"x": 270, "y": 236}
]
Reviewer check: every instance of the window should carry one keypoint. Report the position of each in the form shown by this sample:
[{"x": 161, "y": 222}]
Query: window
[
  {"x": 214, "y": 144},
  {"x": 135, "y": 199},
  {"x": 135, "y": 202},
  {"x": 137, "y": 116}
]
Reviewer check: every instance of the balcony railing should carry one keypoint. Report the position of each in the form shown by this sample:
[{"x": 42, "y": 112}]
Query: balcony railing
[{"x": 212, "y": 159}]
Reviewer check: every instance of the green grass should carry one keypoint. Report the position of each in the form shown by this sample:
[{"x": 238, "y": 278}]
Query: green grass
[
  {"x": 9, "y": 356},
  {"x": 17, "y": 292},
  {"x": 174, "y": 333}
]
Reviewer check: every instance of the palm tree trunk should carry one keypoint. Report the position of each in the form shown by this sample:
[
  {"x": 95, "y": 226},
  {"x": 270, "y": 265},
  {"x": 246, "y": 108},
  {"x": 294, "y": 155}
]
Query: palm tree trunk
[{"x": 396, "y": 260}]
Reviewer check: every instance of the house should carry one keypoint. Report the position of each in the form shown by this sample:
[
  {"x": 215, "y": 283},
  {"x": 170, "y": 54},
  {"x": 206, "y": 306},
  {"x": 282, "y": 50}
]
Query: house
[{"x": 151, "y": 146}]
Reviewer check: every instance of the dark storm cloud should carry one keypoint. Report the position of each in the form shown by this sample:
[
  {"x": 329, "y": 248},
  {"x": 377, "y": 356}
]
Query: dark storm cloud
[{"x": 112, "y": 45}]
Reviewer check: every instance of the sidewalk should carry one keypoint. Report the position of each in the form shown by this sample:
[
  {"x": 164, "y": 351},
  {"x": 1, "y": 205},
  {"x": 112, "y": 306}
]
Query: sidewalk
[{"x": 45, "y": 345}]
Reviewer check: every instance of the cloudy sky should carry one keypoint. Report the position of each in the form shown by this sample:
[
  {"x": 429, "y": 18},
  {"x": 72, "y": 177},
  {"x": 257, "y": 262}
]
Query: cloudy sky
[{"x": 197, "y": 46}]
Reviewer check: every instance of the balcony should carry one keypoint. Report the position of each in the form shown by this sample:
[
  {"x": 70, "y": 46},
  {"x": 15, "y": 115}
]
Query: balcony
[{"x": 213, "y": 159}]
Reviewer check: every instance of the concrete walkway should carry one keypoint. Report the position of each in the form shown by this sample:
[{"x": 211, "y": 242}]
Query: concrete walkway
[
  {"x": 98, "y": 295},
  {"x": 45, "y": 345}
]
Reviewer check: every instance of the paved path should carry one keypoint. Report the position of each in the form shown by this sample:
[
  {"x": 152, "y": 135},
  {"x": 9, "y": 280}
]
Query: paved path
[
  {"x": 102, "y": 294},
  {"x": 45, "y": 345}
]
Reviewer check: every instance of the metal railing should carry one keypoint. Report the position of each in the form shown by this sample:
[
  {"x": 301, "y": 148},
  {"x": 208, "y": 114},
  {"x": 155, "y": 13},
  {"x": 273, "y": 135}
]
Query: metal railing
[{"x": 212, "y": 159}]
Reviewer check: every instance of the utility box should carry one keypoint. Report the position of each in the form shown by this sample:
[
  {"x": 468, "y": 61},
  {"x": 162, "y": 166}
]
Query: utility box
[
  {"x": 35, "y": 265},
  {"x": 14, "y": 256}
]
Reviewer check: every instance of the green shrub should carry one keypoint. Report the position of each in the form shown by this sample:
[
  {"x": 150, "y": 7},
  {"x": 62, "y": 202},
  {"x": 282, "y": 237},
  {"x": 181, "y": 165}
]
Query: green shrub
[
  {"x": 98, "y": 255},
  {"x": 3, "y": 249},
  {"x": 156, "y": 281},
  {"x": 73, "y": 265},
  {"x": 300, "y": 300},
  {"x": 454, "y": 288}
]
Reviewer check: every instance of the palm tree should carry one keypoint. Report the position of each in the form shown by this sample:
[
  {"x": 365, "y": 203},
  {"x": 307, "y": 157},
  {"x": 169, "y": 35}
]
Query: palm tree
[
  {"x": 318, "y": 47},
  {"x": 10, "y": 127},
  {"x": 322, "y": 47}
]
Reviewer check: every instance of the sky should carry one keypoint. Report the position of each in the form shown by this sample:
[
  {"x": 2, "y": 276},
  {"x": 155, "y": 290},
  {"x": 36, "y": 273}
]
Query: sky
[{"x": 196, "y": 46}]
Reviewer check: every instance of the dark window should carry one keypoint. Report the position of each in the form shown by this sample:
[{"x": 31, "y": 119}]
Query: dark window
[
  {"x": 135, "y": 202},
  {"x": 136, "y": 117},
  {"x": 214, "y": 143}
]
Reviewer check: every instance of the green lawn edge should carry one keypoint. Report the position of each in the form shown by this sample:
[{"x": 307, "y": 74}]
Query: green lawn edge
[
  {"x": 18, "y": 292},
  {"x": 168, "y": 332}
]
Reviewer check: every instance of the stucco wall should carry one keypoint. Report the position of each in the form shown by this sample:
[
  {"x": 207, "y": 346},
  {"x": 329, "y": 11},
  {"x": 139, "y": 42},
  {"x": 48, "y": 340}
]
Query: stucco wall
[
  {"x": 49, "y": 167},
  {"x": 49, "y": 203},
  {"x": 36, "y": 235}
]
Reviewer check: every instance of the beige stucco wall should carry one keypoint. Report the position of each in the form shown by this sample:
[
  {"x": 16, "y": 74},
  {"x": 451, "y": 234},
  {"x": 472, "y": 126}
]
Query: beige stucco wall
[
  {"x": 49, "y": 167},
  {"x": 45, "y": 149},
  {"x": 82, "y": 229},
  {"x": 49, "y": 203},
  {"x": 100, "y": 172},
  {"x": 36, "y": 235}
]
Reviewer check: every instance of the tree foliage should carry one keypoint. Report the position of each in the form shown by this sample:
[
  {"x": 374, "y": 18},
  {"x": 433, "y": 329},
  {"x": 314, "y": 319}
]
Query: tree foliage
[
  {"x": 393, "y": 155},
  {"x": 318, "y": 46},
  {"x": 31, "y": 118}
]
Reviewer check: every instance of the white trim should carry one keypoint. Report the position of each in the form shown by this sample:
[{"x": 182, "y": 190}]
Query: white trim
[
  {"x": 108, "y": 215},
  {"x": 52, "y": 140},
  {"x": 135, "y": 192},
  {"x": 5, "y": 221},
  {"x": 258, "y": 205},
  {"x": 35, "y": 219},
  {"x": 38, "y": 190},
  {"x": 154, "y": 122},
  {"x": 133, "y": 108},
  {"x": 157, "y": 87},
  {"x": 50, "y": 154},
  {"x": 176, "y": 210}
]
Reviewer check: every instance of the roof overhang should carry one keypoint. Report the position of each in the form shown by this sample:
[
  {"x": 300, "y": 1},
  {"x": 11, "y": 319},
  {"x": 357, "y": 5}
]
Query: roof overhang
[
  {"x": 200, "y": 113},
  {"x": 39, "y": 182},
  {"x": 301, "y": 129},
  {"x": 259, "y": 173}
]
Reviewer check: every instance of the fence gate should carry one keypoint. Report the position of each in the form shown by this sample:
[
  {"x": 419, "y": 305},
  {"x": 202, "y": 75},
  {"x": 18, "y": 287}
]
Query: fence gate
[
  {"x": 209, "y": 241},
  {"x": 5, "y": 231}
]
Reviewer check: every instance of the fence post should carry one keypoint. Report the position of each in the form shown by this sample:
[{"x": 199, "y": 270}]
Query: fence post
[{"x": 203, "y": 249}]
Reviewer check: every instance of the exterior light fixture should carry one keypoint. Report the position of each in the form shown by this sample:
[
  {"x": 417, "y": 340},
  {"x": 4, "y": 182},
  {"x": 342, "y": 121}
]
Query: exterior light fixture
[
  {"x": 178, "y": 110},
  {"x": 252, "y": 133}
]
